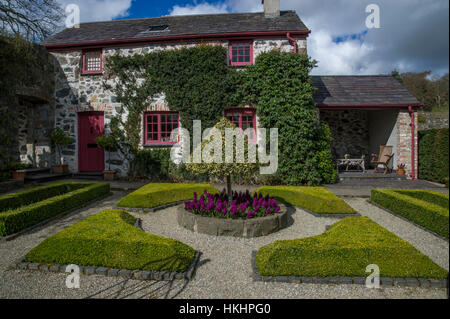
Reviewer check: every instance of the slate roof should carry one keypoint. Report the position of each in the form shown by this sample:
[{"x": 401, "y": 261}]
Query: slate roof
[
  {"x": 361, "y": 90},
  {"x": 178, "y": 26}
]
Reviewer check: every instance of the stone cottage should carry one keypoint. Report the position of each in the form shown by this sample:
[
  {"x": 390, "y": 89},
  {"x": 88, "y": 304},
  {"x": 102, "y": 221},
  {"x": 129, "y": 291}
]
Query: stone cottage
[{"x": 363, "y": 112}]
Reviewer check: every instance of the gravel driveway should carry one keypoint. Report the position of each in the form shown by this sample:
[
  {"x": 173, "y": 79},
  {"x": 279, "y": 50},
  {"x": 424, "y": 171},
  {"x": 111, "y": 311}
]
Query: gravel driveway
[{"x": 224, "y": 270}]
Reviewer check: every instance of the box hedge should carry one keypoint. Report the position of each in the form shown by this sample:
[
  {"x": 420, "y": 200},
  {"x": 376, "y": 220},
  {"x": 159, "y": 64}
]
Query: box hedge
[
  {"x": 346, "y": 249},
  {"x": 22, "y": 217},
  {"x": 109, "y": 239},
  {"x": 316, "y": 199},
  {"x": 425, "y": 208},
  {"x": 36, "y": 194},
  {"x": 157, "y": 194},
  {"x": 433, "y": 155}
]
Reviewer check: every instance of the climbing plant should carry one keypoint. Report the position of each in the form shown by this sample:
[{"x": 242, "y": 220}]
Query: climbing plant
[
  {"x": 196, "y": 82},
  {"x": 279, "y": 85}
]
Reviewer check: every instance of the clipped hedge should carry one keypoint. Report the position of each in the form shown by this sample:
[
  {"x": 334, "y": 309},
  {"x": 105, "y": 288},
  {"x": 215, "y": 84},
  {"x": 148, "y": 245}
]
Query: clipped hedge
[
  {"x": 36, "y": 194},
  {"x": 316, "y": 199},
  {"x": 425, "y": 208},
  {"x": 109, "y": 239},
  {"x": 346, "y": 249},
  {"x": 15, "y": 220},
  {"x": 157, "y": 194},
  {"x": 433, "y": 155}
]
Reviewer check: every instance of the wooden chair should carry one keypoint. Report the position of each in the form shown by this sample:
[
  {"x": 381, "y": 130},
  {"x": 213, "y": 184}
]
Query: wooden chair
[{"x": 384, "y": 159}]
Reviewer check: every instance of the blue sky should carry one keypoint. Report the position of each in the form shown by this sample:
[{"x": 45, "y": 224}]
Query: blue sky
[{"x": 413, "y": 37}]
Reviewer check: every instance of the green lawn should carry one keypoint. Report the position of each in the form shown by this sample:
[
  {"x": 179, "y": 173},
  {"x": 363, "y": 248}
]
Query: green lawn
[
  {"x": 109, "y": 239},
  {"x": 425, "y": 208},
  {"x": 316, "y": 199},
  {"x": 157, "y": 194},
  {"x": 346, "y": 249}
]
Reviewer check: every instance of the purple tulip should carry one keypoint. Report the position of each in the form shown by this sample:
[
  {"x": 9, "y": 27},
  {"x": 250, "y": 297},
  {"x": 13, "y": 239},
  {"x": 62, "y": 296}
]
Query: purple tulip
[{"x": 277, "y": 209}]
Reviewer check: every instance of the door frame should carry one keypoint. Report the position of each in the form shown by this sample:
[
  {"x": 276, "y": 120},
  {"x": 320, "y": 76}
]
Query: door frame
[{"x": 81, "y": 114}]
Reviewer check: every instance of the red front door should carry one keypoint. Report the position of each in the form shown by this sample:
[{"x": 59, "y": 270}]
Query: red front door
[{"x": 91, "y": 158}]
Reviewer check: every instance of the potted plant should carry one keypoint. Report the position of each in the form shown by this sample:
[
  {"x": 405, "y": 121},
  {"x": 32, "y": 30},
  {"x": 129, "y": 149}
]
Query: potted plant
[
  {"x": 401, "y": 169},
  {"x": 17, "y": 171},
  {"x": 59, "y": 139},
  {"x": 109, "y": 143}
]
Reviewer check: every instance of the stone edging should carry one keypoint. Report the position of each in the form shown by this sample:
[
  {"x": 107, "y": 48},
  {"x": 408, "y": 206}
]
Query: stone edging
[
  {"x": 329, "y": 215},
  {"x": 384, "y": 281},
  {"x": 246, "y": 228},
  {"x": 59, "y": 216},
  {"x": 150, "y": 210},
  {"x": 113, "y": 272},
  {"x": 406, "y": 220}
]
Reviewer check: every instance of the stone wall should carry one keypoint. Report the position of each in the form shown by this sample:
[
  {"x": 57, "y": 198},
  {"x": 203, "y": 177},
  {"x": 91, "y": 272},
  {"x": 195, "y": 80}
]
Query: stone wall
[
  {"x": 429, "y": 120},
  {"x": 75, "y": 92},
  {"x": 29, "y": 101},
  {"x": 350, "y": 132},
  {"x": 404, "y": 145}
]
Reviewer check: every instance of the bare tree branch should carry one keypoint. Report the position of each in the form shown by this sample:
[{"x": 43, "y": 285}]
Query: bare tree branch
[{"x": 32, "y": 19}]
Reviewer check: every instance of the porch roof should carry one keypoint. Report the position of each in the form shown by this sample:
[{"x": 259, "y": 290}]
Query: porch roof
[{"x": 372, "y": 91}]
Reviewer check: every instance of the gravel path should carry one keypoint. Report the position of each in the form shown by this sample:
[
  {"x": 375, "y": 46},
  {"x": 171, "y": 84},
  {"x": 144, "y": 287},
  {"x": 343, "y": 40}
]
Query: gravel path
[
  {"x": 224, "y": 270},
  {"x": 434, "y": 247}
]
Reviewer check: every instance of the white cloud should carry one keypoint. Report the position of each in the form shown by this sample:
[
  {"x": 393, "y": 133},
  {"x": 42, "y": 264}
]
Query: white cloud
[
  {"x": 413, "y": 36},
  {"x": 200, "y": 8},
  {"x": 100, "y": 10}
]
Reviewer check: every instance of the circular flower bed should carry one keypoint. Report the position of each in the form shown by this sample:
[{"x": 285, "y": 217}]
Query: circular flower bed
[
  {"x": 243, "y": 205},
  {"x": 247, "y": 215}
]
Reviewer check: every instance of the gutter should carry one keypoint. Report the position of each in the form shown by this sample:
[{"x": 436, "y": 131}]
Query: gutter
[
  {"x": 293, "y": 41},
  {"x": 210, "y": 36},
  {"x": 413, "y": 142}
]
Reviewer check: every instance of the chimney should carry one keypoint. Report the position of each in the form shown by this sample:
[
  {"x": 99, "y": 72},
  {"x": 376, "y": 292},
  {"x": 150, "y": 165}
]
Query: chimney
[{"x": 271, "y": 8}]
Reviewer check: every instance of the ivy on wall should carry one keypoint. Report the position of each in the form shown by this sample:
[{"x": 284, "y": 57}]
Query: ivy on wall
[
  {"x": 196, "y": 81},
  {"x": 199, "y": 84},
  {"x": 280, "y": 86}
]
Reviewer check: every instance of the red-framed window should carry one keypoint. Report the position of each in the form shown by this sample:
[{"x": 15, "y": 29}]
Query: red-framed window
[
  {"x": 158, "y": 126},
  {"x": 243, "y": 118},
  {"x": 92, "y": 62},
  {"x": 240, "y": 52}
]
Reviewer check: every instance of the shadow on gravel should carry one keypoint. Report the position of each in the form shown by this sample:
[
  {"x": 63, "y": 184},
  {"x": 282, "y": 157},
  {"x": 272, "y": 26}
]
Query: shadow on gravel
[{"x": 135, "y": 289}]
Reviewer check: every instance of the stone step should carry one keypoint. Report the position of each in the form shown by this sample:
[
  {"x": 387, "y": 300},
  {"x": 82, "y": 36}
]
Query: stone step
[
  {"x": 89, "y": 175},
  {"x": 45, "y": 177},
  {"x": 35, "y": 171}
]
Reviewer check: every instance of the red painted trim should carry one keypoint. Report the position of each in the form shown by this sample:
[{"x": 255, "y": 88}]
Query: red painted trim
[
  {"x": 413, "y": 142},
  {"x": 84, "y": 65},
  {"x": 210, "y": 36},
  {"x": 365, "y": 106},
  {"x": 293, "y": 41},
  {"x": 242, "y": 111},
  {"x": 158, "y": 141},
  {"x": 230, "y": 54}
]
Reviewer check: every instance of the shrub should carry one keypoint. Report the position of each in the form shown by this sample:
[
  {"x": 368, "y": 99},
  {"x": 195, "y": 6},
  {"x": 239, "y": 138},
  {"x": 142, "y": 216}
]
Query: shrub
[
  {"x": 425, "y": 208},
  {"x": 15, "y": 220},
  {"x": 243, "y": 205},
  {"x": 36, "y": 194},
  {"x": 280, "y": 86},
  {"x": 345, "y": 250},
  {"x": 433, "y": 155},
  {"x": 316, "y": 199},
  {"x": 157, "y": 194},
  {"x": 109, "y": 239},
  {"x": 151, "y": 164}
]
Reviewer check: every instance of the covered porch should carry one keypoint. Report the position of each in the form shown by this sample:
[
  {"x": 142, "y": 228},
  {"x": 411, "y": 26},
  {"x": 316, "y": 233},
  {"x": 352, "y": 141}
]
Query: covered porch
[{"x": 367, "y": 115}]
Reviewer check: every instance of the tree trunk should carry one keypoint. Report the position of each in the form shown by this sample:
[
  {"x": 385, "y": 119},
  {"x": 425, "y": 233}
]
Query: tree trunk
[
  {"x": 229, "y": 192},
  {"x": 109, "y": 160}
]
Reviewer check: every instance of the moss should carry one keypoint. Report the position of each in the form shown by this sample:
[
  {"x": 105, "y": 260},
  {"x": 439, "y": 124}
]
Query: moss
[
  {"x": 109, "y": 239},
  {"x": 316, "y": 199},
  {"x": 425, "y": 208},
  {"x": 346, "y": 249},
  {"x": 157, "y": 194}
]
